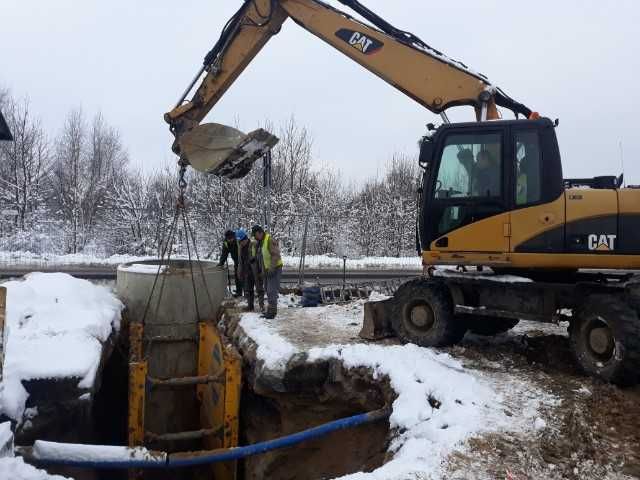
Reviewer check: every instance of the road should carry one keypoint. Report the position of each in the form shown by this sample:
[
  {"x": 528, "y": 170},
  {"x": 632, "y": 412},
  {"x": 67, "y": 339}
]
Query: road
[{"x": 324, "y": 276}]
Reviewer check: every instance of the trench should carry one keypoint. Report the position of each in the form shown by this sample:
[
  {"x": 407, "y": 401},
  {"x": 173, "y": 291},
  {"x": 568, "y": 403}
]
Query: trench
[
  {"x": 305, "y": 395},
  {"x": 315, "y": 394}
]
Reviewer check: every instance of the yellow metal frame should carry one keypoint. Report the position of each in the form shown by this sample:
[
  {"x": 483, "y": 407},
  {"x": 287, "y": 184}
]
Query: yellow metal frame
[
  {"x": 137, "y": 380},
  {"x": 219, "y": 401}
]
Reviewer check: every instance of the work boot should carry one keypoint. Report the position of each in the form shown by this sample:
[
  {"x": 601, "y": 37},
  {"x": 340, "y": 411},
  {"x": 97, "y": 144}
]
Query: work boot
[{"x": 271, "y": 313}]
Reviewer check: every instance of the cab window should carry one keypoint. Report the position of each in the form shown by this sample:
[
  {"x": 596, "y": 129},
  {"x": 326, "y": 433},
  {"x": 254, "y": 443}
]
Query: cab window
[
  {"x": 471, "y": 166},
  {"x": 528, "y": 178}
]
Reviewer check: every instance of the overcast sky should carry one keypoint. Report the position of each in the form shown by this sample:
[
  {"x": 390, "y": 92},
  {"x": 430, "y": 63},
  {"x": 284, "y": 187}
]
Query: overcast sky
[{"x": 572, "y": 59}]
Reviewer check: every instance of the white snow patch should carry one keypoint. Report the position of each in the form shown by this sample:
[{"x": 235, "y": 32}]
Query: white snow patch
[
  {"x": 92, "y": 453},
  {"x": 439, "y": 404},
  {"x": 6, "y": 440},
  {"x": 450, "y": 272},
  {"x": 539, "y": 423},
  {"x": 148, "y": 268},
  {"x": 14, "y": 468},
  {"x": 273, "y": 350},
  {"x": 55, "y": 328}
]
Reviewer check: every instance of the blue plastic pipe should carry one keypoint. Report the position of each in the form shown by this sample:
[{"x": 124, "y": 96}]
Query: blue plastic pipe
[{"x": 225, "y": 455}]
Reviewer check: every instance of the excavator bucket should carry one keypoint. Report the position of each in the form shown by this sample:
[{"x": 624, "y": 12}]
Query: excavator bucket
[
  {"x": 377, "y": 320},
  {"x": 224, "y": 151}
]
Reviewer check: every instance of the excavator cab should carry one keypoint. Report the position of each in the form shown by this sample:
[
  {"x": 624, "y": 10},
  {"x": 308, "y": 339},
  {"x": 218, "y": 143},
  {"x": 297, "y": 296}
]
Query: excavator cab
[{"x": 474, "y": 172}]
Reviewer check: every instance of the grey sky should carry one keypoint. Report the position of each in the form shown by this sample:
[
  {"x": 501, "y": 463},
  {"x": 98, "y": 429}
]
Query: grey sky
[{"x": 576, "y": 60}]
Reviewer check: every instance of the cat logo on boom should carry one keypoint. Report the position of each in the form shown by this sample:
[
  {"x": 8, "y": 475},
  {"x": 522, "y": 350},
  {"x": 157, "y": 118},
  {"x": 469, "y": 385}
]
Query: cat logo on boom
[
  {"x": 360, "y": 41},
  {"x": 602, "y": 243}
]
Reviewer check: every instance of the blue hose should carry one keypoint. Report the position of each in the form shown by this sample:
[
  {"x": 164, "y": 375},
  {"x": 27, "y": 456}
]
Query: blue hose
[{"x": 224, "y": 455}]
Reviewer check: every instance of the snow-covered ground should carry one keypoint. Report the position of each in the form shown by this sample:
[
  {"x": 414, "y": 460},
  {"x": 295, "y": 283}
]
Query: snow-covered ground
[
  {"x": 14, "y": 468},
  {"x": 55, "y": 327},
  {"x": 28, "y": 259},
  {"x": 440, "y": 404}
]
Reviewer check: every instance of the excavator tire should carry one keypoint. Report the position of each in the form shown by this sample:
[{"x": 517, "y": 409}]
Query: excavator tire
[
  {"x": 605, "y": 339},
  {"x": 489, "y": 325},
  {"x": 423, "y": 314}
]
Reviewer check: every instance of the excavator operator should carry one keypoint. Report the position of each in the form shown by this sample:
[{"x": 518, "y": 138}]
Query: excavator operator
[{"x": 486, "y": 178}]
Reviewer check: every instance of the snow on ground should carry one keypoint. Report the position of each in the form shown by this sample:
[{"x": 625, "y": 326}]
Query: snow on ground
[
  {"x": 440, "y": 404},
  {"x": 14, "y": 468},
  {"x": 55, "y": 327},
  {"x": 21, "y": 259}
]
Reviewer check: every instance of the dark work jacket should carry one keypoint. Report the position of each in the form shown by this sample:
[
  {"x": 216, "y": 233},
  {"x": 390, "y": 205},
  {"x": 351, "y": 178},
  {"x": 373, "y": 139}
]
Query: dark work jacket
[{"x": 229, "y": 247}]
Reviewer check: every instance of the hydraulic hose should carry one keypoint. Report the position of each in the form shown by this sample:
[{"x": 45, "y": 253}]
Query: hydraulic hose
[{"x": 192, "y": 459}]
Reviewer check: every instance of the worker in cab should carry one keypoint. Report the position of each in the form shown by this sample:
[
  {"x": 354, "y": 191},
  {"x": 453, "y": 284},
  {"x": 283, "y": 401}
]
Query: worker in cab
[
  {"x": 487, "y": 175},
  {"x": 249, "y": 270},
  {"x": 231, "y": 246},
  {"x": 270, "y": 263}
]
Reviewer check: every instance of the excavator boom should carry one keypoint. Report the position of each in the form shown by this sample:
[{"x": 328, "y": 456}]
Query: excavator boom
[{"x": 401, "y": 59}]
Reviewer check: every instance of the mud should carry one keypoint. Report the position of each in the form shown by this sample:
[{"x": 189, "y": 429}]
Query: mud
[{"x": 591, "y": 432}]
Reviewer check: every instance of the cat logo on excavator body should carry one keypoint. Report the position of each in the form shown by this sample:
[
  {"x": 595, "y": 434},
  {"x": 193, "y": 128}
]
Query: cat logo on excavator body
[
  {"x": 360, "y": 41},
  {"x": 602, "y": 243}
]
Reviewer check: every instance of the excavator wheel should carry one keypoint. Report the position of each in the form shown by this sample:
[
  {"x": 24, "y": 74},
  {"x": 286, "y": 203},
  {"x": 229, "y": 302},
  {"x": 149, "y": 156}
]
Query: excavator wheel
[
  {"x": 423, "y": 314},
  {"x": 488, "y": 326},
  {"x": 605, "y": 339}
]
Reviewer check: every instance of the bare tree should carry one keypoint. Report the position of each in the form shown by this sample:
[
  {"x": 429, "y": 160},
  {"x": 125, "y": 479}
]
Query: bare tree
[
  {"x": 88, "y": 164},
  {"x": 24, "y": 163}
]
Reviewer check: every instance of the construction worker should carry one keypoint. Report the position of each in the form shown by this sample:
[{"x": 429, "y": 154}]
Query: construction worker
[
  {"x": 249, "y": 270},
  {"x": 270, "y": 262},
  {"x": 487, "y": 175},
  {"x": 230, "y": 246}
]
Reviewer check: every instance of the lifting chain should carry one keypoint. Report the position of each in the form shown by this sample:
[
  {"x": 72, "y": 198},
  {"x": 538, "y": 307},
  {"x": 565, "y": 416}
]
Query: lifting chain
[{"x": 182, "y": 185}]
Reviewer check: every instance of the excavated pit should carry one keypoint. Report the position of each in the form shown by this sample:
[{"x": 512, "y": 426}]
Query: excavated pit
[{"x": 303, "y": 395}]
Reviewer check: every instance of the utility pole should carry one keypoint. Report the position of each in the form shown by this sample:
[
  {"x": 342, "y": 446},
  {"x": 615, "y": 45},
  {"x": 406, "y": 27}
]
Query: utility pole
[
  {"x": 266, "y": 183},
  {"x": 303, "y": 252}
]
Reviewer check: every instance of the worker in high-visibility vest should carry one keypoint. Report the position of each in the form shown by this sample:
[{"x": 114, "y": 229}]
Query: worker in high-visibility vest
[
  {"x": 249, "y": 270},
  {"x": 270, "y": 261},
  {"x": 231, "y": 246}
]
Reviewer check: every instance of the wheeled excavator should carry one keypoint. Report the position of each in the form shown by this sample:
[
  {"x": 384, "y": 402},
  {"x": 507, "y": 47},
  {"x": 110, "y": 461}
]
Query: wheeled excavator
[{"x": 493, "y": 197}]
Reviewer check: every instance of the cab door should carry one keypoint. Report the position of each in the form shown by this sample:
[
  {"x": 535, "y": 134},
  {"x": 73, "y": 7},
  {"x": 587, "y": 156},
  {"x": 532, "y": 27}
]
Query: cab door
[{"x": 467, "y": 210}]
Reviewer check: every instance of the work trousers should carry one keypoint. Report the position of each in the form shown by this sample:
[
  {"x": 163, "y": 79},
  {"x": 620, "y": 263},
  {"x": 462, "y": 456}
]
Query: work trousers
[
  {"x": 272, "y": 286},
  {"x": 251, "y": 288},
  {"x": 237, "y": 279}
]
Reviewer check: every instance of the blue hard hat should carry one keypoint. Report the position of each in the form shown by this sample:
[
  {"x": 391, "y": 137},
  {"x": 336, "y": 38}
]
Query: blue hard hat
[{"x": 241, "y": 234}]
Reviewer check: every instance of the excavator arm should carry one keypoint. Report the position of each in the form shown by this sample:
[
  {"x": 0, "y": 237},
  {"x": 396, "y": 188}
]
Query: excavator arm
[{"x": 401, "y": 59}]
